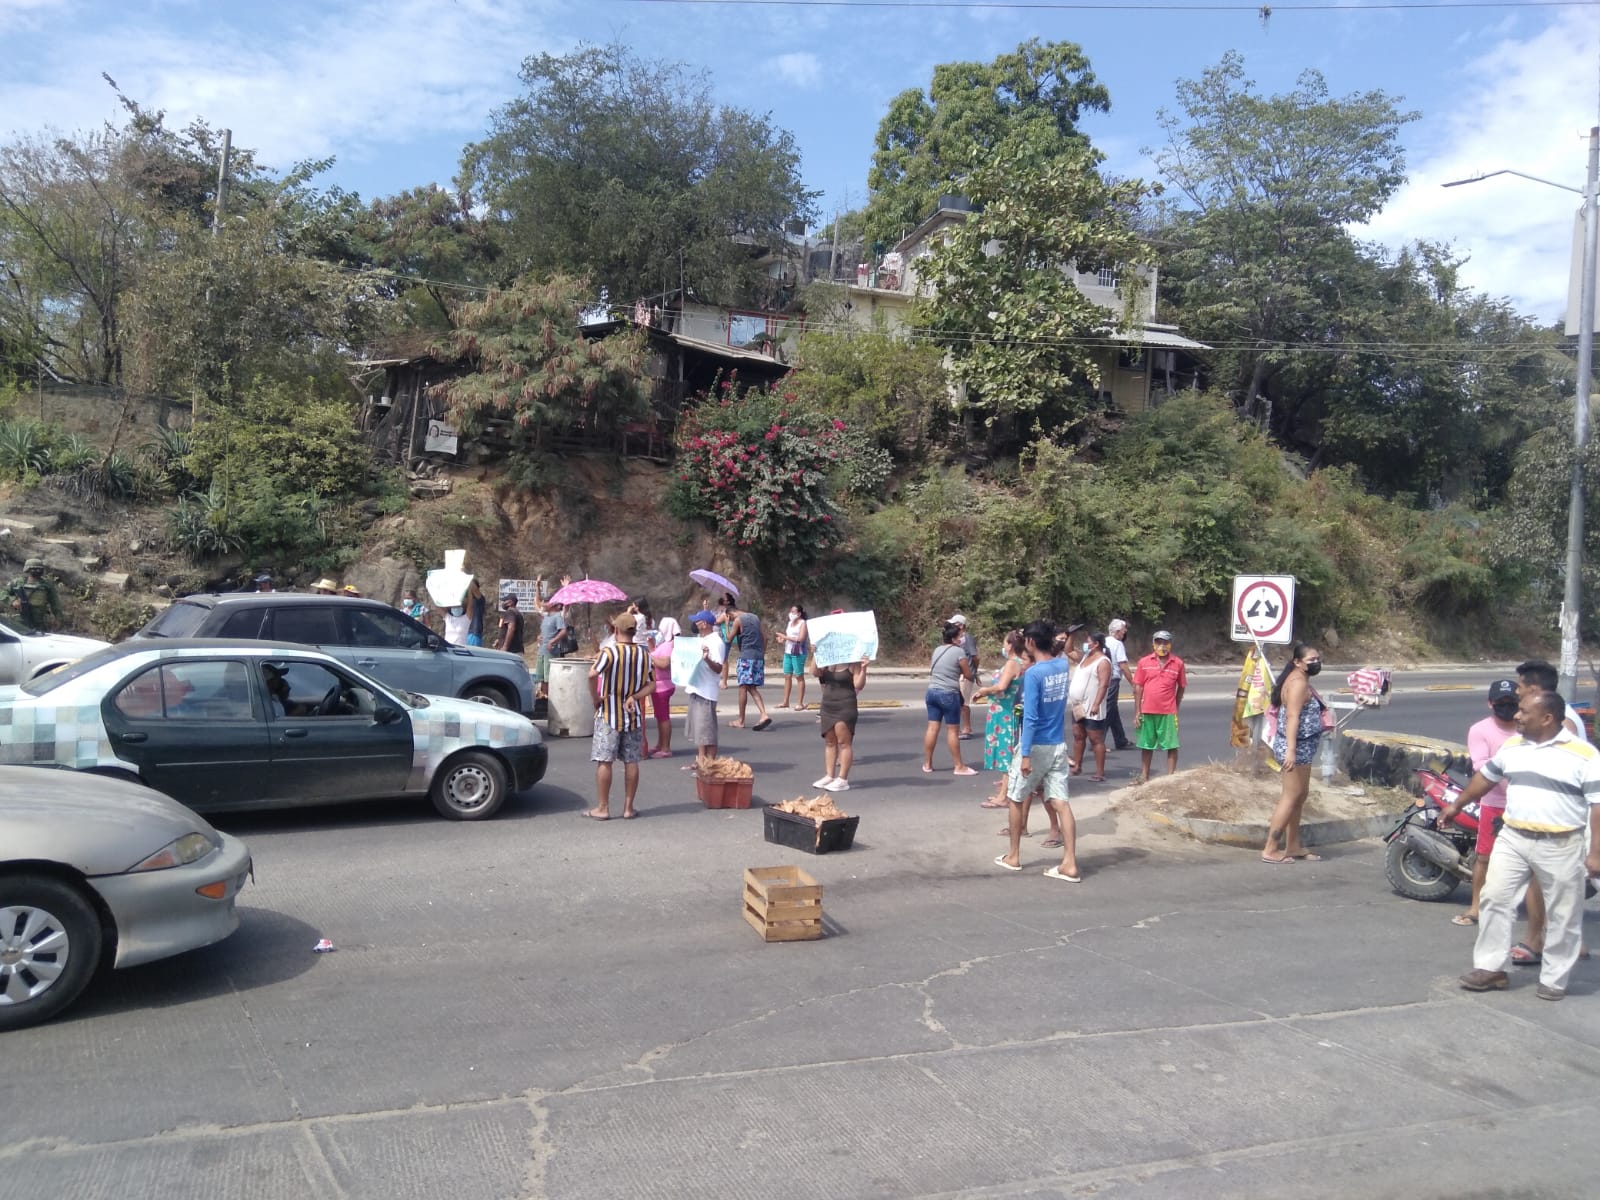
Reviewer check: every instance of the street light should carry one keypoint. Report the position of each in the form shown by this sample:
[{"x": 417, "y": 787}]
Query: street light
[{"x": 1573, "y": 595}]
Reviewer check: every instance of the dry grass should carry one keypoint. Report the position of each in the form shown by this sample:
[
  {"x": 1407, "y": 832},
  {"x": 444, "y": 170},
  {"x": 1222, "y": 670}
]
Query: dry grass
[{"x": 1225, "y": 792}]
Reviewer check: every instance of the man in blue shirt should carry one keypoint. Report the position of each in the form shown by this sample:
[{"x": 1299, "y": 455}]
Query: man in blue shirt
[{"x": 1041, "y": 757}]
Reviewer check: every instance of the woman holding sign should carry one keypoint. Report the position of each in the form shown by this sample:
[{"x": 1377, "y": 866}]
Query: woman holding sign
[
  {"x": 840, "y": 683},
  {"x": 661, "y": 663}
]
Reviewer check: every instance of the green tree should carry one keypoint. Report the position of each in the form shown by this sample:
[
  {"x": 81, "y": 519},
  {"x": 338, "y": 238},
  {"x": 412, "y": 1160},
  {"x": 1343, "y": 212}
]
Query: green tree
[
  {"x": 1023, "y": 338},
  {"x": 626, "y": 171},
  {"x": 535, "y": 366},
  {"x": 894, "y": 391},
  {"x": 930, "y": 141},
  {"x": 1270, "y": 185}
]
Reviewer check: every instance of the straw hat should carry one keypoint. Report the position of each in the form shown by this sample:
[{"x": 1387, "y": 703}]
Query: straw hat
[{"x": 325, "y": 585}]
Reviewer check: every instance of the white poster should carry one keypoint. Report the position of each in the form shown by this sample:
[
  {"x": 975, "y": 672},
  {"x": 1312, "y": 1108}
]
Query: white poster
[
  {"x": 844, "y": 638},
  {"x": 448, "y": 585},
  {"x": 689, "y": 667},
  {"x": 525, "y": 590},
  {"x": 440, "y": 438}
]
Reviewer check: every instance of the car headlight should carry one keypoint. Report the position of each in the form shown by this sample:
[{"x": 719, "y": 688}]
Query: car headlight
[{"x": 191, "y": 847}]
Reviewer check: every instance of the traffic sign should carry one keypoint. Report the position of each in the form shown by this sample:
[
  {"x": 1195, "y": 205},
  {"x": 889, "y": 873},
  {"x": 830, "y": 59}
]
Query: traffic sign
[{"x": 1263, "y": 609}]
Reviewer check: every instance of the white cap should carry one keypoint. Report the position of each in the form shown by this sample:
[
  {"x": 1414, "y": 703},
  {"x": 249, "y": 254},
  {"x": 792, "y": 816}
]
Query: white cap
[{"x": 958, "y": 619}]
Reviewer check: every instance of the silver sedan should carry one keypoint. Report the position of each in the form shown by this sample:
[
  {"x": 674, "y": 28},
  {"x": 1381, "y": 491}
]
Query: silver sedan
[{"x": 98, "y": 871}]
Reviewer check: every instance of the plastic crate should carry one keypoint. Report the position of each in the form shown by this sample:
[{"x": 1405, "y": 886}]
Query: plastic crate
[
  {"x": 802, "y": 833},
  {"x": 725, "y": 793}
]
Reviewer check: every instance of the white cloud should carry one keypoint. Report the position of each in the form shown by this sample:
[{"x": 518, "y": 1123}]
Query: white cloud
[
  {"x": 341, "y": 80},
  {"x": 24, "y": 12},
  {"x": 1526, "y": 104},
  {"x": 801, "y": 69}
]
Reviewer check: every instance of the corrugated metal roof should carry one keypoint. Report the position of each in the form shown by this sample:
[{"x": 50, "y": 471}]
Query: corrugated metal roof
[{"x": 1160, "y": 337}]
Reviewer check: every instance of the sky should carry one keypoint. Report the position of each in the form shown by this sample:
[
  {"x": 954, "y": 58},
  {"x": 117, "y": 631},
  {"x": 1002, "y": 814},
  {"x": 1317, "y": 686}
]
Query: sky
[{"x": 393, "y": 89}]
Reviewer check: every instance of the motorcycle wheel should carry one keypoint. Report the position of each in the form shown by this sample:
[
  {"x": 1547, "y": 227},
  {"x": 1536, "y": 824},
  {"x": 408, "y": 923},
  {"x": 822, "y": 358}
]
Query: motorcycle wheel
[{"x": 1414, "y": 877}]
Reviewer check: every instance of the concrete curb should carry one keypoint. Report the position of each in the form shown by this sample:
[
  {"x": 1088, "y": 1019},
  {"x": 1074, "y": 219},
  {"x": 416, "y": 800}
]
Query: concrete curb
[{"x": 1244, "y": 833}]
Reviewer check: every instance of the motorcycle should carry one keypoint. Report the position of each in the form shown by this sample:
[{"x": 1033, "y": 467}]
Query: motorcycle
[{"x": 1424, "y": 862}]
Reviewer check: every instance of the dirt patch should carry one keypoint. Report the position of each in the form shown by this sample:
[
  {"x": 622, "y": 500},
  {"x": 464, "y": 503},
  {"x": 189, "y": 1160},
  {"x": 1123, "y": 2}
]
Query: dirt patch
[{"x": 1223, "y": 792}]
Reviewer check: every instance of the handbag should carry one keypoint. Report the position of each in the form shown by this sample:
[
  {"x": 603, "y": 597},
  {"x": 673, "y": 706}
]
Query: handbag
[
  {"x": 1329, "y": 721},
  {"x": 564, "y": 645}
]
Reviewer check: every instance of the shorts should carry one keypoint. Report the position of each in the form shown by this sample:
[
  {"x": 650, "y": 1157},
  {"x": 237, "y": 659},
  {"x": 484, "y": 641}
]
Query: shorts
[
  {"x": 1048, "y": 767},
  {"x": 752, "y": 672},
  {"x": 474, "y": 639},
  {"x": 794, "y": 664},
  {"x": 612, "y": 744},
  {"x": 1158, "y": 731},
  {"x": 943, "y": 707},
  {"x": 661, "y": 702},
  {"x": 702, "y": 722},
  {"x": 1487, "y": 818},
  {"x": 1091, "y": 723},
  {"x": 541, "y": 670}
]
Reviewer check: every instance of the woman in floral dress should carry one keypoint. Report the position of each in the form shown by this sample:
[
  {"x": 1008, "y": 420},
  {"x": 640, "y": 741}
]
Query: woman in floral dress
[{"x": 1000, "y": 731}]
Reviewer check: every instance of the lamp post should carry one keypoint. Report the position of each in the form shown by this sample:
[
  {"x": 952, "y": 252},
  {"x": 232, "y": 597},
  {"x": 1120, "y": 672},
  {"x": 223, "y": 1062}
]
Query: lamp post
[{"x": 1573, "y": 595}]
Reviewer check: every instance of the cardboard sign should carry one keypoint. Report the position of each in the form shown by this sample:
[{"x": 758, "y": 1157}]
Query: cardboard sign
[
  {"x": 689, "y": 667},
  {"x": 844, "y": 638},
  {"x": 525, "y": 590},
  {"x": 448, "y": 585}
]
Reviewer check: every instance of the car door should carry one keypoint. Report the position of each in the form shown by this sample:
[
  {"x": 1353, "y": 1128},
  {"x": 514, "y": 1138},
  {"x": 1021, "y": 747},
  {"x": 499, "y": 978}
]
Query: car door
[
  {"x": 331, "y": 737},
  {"x": 395, "y": 650},
  {"x": 10, "y": 656},
  {"x": 194, "y": 729}
]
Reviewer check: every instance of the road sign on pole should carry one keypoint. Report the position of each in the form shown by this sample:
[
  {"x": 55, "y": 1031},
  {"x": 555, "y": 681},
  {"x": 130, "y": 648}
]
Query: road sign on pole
[{"x": 1263, "y": 609}]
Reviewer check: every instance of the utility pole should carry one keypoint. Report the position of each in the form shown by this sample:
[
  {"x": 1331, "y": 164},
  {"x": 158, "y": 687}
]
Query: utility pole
[
  {"x": 222, "y": 182},
  {"x": 1572, "y": 597}
]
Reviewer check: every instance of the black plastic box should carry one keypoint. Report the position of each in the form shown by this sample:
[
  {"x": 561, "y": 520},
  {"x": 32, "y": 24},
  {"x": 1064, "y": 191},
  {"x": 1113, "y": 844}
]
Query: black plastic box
[{"x": 802, "y": 833}]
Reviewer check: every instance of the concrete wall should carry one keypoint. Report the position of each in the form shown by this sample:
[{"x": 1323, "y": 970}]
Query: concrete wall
[{"x": 94, "y": 412}]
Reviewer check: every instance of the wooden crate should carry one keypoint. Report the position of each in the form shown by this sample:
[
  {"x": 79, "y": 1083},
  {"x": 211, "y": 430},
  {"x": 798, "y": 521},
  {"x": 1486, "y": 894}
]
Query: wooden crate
[{"x": 783, "y": 904}]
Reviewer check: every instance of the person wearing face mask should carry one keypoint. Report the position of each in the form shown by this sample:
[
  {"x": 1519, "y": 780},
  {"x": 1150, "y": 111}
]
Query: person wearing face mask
[
  {"x": 1091, "y": 685},
  {"x": 795, "y": 644},
  {"x": 1159, "y": 682},
  {"x": 1484, "y": 740},
  {"x": 1301, "y": 722}
]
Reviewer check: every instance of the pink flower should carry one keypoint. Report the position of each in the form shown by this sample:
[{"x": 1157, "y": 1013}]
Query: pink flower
[{"x": 838, "y": 425}]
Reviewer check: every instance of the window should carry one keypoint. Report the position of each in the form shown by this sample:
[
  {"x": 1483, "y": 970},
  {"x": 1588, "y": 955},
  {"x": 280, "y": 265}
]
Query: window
[
  {"x": 308, "y": 624},
  {"x": 245, "y": 623},
  {"x": 192, "y": 691},
  {"x": 181, "y": 620},
  {"x": 374, "y": 627},
  {"x": 305, "y": 689},
  {"x": 1106, "y": 277}
]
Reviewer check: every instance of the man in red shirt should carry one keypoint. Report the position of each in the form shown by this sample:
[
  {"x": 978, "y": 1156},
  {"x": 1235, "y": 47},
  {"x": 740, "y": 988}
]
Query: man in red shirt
[{"x": 1158, "y": 685}]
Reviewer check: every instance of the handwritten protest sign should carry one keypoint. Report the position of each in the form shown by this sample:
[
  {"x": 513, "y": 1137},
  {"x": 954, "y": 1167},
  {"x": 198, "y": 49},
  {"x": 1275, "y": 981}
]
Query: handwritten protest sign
[{"x": 844, "y": 638}]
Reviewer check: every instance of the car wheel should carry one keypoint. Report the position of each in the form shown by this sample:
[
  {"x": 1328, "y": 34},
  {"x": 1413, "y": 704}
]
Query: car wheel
[
  {"x": 488, "y": 693},
  {"x": 49, "y": 947},
  {"x": 470, "y": 787}
]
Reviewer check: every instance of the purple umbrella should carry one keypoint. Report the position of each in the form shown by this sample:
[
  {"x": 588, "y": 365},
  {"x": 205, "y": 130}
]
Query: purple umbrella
[
  {"x": 587, "y": 591},
  {"x": 713, "y": 582}
]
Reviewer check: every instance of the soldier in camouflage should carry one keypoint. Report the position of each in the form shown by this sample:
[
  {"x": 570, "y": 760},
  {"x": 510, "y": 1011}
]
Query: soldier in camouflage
[{"x": 33, "y": 598}]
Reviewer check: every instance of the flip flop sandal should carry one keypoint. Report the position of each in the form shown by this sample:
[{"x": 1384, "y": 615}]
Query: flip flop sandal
[
  {"x": 1001, "y": 862},
  {"x": 1051, "y": 842},
  {"x": 1276, "y": 862},
  {"x": 1463, "y": 919},
  {"x": 1524, "y": 955},
  {"x": 1058, "y": 873},
  {"x": 761, "y": 725},
  {"x": 995, "y": 804}
]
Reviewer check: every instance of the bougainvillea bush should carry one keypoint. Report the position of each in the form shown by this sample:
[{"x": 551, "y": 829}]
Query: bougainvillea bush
[{"x": 758, "y": 471}]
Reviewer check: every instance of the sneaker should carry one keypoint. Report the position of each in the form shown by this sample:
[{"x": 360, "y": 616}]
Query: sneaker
[
  {"x": 1547, "y": 992},
  {"x": 837, "y": 785},
  {"x": 1479, "y": 980},
  {"x": 825, "y": 782}
]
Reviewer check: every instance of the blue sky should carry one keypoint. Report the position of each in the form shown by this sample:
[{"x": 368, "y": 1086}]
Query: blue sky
[{"x": 393, "y": 89}]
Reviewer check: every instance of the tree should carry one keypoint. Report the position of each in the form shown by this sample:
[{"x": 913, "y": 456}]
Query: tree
[
  {"x": 1271, "y": 183},
  {"x": 535, "y": 366},
  {"x": 892, "y": 390},
  {"x": 930, "y": 141},
  {"x": 624, "y": 170},
  {"x": 433, "y": 236},
  {"x": 1022, "y": 337}
]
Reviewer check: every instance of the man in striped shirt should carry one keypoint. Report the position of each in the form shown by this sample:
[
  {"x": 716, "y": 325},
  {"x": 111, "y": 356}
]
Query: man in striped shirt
[
  {"x": 1552, "y": 799},
  {"x": 622, "y": 678}
]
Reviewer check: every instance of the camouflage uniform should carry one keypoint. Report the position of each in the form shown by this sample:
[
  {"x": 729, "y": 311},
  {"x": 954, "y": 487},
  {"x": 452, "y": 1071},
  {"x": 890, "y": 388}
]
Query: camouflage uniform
[{"x": 33, "y": 599}]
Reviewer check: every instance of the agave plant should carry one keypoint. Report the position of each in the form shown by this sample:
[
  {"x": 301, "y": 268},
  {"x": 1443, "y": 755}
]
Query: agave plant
[
  {"x": 198, "y": 526},
  {"x": 23, "y": 448},
  {"x": 70, "y": 453},
  {"x": 168, "y": 454}
]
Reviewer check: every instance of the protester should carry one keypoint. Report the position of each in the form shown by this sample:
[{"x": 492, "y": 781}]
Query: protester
[
  {"x": 950, "y": 665},
  {"x": 1004, "y": 693},
  {"x": 838, "y": 712},
  {"x": 750, "y": 668},
  {"x": 645, "y": 635},
  {"x": 1116, "y": 637},
  {"x": 1552, "y": 800},
  {"x": 510, "y": 639},
  {"x": 1041, "y": 758},
  {"x": 1087, "y": 699},
  {"x": 263, "y": 583},
  {"x": 727, "y": 610},
  {"x": 704, "y": 687},
  {"x": 796, "y": 639},
  {"x": 325, "y": 587},
  {"x": 552, "y": 630},
  {"x": 34, "y": 598},
  {"x": 661, "y": 662},
  {"x": 1484, "y": 740},
  {"x": 476, "y": 604},
  {"x": 1302, "y": 717},
  {"x": 968, "y": 681},
  {"x": 352, "y": 591},
  {"x": 456, "y": 625},
  {"x": 622, "y": 679},
  {"x": 1158, "y": 685}
]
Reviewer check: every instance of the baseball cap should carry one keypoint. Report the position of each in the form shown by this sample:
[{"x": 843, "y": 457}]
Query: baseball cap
[
  {"x": 511, "y": 596},
  {"x": 264, "y": 577},
  {"x": 1074, "y": 627},
  {"x": 1502, "y": 689},
  {"x": 706, "y": 615},
  {"x": 1161, "y": 635},
  {"x": 625, "y": 622},
  {"x": 958, "y": 619}
]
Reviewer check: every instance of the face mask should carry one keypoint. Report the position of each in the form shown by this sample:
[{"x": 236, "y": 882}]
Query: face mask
[
  {"x": 1163, "y": 650},
  {"x": 794, "y": 616},
  {"x": 1506, "y": 711},
  {"x": 1088, "y": 647},
  {"x": 1313, "y": 668}
]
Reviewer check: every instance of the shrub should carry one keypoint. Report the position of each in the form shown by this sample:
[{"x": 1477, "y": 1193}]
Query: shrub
[{"x": 24, "y": 449}]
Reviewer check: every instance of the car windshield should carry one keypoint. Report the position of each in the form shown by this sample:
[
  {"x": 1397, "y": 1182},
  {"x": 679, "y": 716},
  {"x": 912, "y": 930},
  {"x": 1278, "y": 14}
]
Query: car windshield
[
  {"x": 19, "y": 633},
  {"x": 44, "y": 684},
  {"x": 181, "y": 620}
]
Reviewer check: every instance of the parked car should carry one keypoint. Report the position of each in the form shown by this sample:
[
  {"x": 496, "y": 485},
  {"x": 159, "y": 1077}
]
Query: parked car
[
  {"x": 24, "y": 654},
  {"x": 223, "y": 726},
  {"x": 97, "y": 871},
  {"x": 367, "y": 634}
]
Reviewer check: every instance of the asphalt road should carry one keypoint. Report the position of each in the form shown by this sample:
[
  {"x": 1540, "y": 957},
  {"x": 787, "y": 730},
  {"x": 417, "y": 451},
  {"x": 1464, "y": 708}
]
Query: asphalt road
[{"x": 544, "y": 1006}]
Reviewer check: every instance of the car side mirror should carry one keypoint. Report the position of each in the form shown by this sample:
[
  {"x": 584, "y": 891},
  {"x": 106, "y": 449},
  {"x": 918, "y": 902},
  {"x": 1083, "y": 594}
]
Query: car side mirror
[
  {"x": 385, "y": 714},
  {"x": 434, "y": 642}
]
